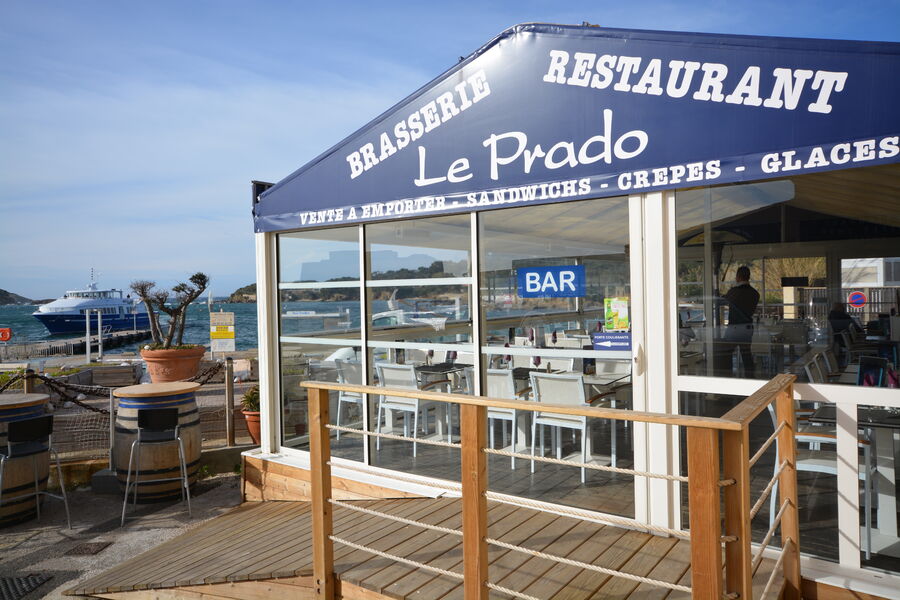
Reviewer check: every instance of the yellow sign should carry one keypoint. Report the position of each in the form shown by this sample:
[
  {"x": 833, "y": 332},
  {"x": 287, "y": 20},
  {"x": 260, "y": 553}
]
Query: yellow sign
[{"x": 221, "y": 331}]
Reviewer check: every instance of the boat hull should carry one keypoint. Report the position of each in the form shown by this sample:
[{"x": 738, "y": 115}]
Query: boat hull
[{"x": 59, "y": 324}]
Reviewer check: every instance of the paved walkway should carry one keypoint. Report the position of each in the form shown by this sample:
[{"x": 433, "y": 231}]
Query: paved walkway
[{"x": 42, "y": 547}]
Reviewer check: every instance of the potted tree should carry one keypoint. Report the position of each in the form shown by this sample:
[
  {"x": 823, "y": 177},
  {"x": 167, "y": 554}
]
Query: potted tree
[
  {"x": 250, "y": 408},
  {"x": 168, "y": 358}
]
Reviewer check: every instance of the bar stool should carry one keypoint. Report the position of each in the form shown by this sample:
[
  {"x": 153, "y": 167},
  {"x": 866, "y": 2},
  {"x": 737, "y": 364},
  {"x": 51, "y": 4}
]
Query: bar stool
[
  {"x": 156, "y": 426},
  {"x": 31, "y": 438}
]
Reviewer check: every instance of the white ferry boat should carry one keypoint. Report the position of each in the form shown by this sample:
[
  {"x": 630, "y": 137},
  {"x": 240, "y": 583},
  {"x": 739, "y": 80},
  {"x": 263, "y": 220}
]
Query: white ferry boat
[{"x": 66, "y": 315}]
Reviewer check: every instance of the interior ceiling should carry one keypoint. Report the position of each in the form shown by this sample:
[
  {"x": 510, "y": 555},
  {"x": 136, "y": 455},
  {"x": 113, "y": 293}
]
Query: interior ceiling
[{"x": 868, "y": 195}]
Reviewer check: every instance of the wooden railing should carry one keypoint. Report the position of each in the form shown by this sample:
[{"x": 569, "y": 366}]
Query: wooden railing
[{"x": 707, "y": 477}]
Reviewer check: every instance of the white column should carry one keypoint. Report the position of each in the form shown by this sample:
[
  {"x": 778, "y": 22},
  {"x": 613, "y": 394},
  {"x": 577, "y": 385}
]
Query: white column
[
  {"x": 638, "y": 345},
  {"x": 661, "y": 350},
  {"x": 267, "y": 332}
]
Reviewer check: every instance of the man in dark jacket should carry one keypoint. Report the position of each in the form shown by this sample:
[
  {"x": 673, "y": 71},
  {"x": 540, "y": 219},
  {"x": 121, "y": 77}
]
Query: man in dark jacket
[{"x": 742, "y": 301}]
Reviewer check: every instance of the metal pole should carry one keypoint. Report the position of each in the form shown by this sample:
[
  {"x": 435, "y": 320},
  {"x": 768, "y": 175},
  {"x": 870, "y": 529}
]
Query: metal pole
[
  {"x": 99, "y": 334},
  {"x": 87, "y": 336},
  {"x": 112, "y": 429},
  {"x": 28, "y": 385},
  {"x": 229, "y": 401}
]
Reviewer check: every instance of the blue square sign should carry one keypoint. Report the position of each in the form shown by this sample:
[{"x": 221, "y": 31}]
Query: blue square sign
[{"x": 551, "y": 282}]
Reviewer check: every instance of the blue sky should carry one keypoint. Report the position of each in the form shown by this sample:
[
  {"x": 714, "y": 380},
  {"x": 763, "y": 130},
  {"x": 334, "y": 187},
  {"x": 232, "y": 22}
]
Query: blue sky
[{"x": 129, "y": 131}]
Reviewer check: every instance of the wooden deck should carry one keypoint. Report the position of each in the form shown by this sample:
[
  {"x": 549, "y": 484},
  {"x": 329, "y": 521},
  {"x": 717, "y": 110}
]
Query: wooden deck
[{"x": 267, "y": 546}]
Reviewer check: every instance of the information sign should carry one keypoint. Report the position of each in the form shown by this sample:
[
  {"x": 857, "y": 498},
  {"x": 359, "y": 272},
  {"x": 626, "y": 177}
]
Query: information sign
[
  {"x": 612, "y": 340},
  {"x": 857, "y": 299},
  {"x": 551, "y": 282},
  {"x": 221, "y": 331}
]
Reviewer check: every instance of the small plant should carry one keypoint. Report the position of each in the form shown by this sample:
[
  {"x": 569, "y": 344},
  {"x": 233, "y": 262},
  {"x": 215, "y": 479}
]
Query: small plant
[
  {"x": 250, "y": 400},
  {"x": 155, "y": 300}
]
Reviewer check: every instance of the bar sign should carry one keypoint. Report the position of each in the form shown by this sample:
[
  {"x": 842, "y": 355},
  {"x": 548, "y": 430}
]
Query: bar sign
[{"x": 551, "y": 282}]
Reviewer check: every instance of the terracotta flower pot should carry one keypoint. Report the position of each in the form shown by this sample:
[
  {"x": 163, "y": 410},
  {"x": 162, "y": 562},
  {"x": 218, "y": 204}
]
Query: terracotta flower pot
[
  {"x": 173, "y": 364},
  {"x": 252, "y": 418}
]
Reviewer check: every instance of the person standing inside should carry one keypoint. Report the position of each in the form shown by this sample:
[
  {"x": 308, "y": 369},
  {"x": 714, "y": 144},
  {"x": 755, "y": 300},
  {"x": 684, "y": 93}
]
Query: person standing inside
[{"x": 742, "y": 301}]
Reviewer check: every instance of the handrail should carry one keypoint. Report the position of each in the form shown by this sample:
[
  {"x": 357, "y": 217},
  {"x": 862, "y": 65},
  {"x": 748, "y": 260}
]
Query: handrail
[
  {"x": 704, "y": 480},
  {"x": 621, "y": 414}
]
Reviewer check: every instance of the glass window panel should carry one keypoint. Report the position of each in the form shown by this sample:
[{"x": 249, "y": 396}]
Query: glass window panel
[
  {"x": 419, "y": 248},
  {"x": 324, "y": 255},
  {"x": 879, "y": 448},
  {"x": 817, "y": 485},
  {"x": 817, "y": 250},
  {"x": 319, "y": 362},
  {"x": 541, "y": 340}
]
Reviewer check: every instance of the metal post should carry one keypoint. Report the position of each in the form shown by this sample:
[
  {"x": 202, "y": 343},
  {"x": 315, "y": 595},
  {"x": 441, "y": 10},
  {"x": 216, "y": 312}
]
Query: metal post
[
  {"x": 87, "y": 336},
  {"x": 229, "y": 401},
  {"x": 28, "y": 385},
  {"x": 99, "y": 335},
  {"x": 112, "y": 430}
]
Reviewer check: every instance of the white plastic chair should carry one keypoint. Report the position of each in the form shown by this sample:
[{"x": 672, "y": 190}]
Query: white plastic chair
[
  {"x": 348, "y": 372},
  {"x": 564, "y": 389},
  {"x": 404, "y": 377},
  {"x": 501, "y": 384}
]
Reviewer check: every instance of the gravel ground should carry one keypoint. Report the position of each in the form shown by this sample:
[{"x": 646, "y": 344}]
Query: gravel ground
[{"x": 40, "y": 547}]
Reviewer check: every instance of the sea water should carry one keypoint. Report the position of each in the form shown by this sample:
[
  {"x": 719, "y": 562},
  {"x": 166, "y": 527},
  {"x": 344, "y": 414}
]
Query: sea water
[{"x": 26, "y": 328}]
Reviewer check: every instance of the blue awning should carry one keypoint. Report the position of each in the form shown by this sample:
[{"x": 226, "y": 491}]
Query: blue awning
[{"x": 549, "y": 113}]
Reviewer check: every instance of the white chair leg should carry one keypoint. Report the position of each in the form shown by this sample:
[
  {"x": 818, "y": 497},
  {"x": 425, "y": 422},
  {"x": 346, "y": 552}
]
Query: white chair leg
[
  {"x": 612, "y": 444},
  {"x": 185, "y": 483},
  {"x": 583, "y": 450},
  {"x": 533, "y": 432},
  {"x": 491, "y": 432},
  {"x": 416, "y": 429},
  {"x": 378, "y": 428},
  {"x": 127, "y": 482},
  {"x": 337, "y": 418},
  {"x": 62, "y": 488},
  {"x": 513, "y": 426}
]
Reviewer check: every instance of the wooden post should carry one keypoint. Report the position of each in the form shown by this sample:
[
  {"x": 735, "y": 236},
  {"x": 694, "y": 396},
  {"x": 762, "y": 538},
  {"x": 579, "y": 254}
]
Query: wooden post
[
  {"x": 704, "y": 512},
  {"x": 320, "y": 484},
  {"x": 736, "y": 466},
  {"x": 787, "y": 490},
  {"x": 28, "y": 384},
  {"x": 229, "y": 402},
  {"x": 473, "y": 428}
]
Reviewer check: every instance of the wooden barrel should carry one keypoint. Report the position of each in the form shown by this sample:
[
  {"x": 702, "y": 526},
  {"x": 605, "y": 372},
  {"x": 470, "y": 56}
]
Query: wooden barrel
[
  {"x": 18, "y": 474},
  {"x": 158, "y": 461}
]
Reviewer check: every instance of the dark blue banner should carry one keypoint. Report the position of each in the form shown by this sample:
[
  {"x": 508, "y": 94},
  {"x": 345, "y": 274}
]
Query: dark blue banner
[
  {"x": 611, "y": 340},
  {"x": 551, "y": 282},
  {"x": 547, "y": 113}
]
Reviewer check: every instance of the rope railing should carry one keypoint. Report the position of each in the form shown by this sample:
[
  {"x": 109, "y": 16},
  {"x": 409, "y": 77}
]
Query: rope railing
[
  {"x": 722, "y": 563},
  {"x": 593, "y": 466},
  {"x": 441, "y": 485},
  {"x": 399, "y": 559},
  {"x": 589, "y": 567},
  {"x": 393, "y": 436},
  {"x": 395, "y": 518},
  {"x": 766, "y": 444},
  {"x": 774, "y": 575},
  {"x": 586, "y": 515},
  {"x": 768, "y": 490},
  {"x": 776, "y": 522}
]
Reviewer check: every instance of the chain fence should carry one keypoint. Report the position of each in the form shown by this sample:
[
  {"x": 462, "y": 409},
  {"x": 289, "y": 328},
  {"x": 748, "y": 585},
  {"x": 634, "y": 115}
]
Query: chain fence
[{"x": 81, "y": 413}]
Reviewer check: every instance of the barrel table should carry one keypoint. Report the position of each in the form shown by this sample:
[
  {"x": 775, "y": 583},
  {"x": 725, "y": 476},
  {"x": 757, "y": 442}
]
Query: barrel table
[
  {"x": 158, "y": 461},
  {"x": 18, "y": 475}
]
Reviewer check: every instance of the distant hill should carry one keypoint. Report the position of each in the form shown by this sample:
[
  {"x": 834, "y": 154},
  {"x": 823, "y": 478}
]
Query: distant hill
[
  {"x": 7, "y": 298},
  {"x": 244, "y": 294}
]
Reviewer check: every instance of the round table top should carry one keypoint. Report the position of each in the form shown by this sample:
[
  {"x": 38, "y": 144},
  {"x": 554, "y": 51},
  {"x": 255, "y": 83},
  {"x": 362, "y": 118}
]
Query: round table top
[
  {"x": 147, "y": 390},
  {"x": 17, "y": 400}
]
